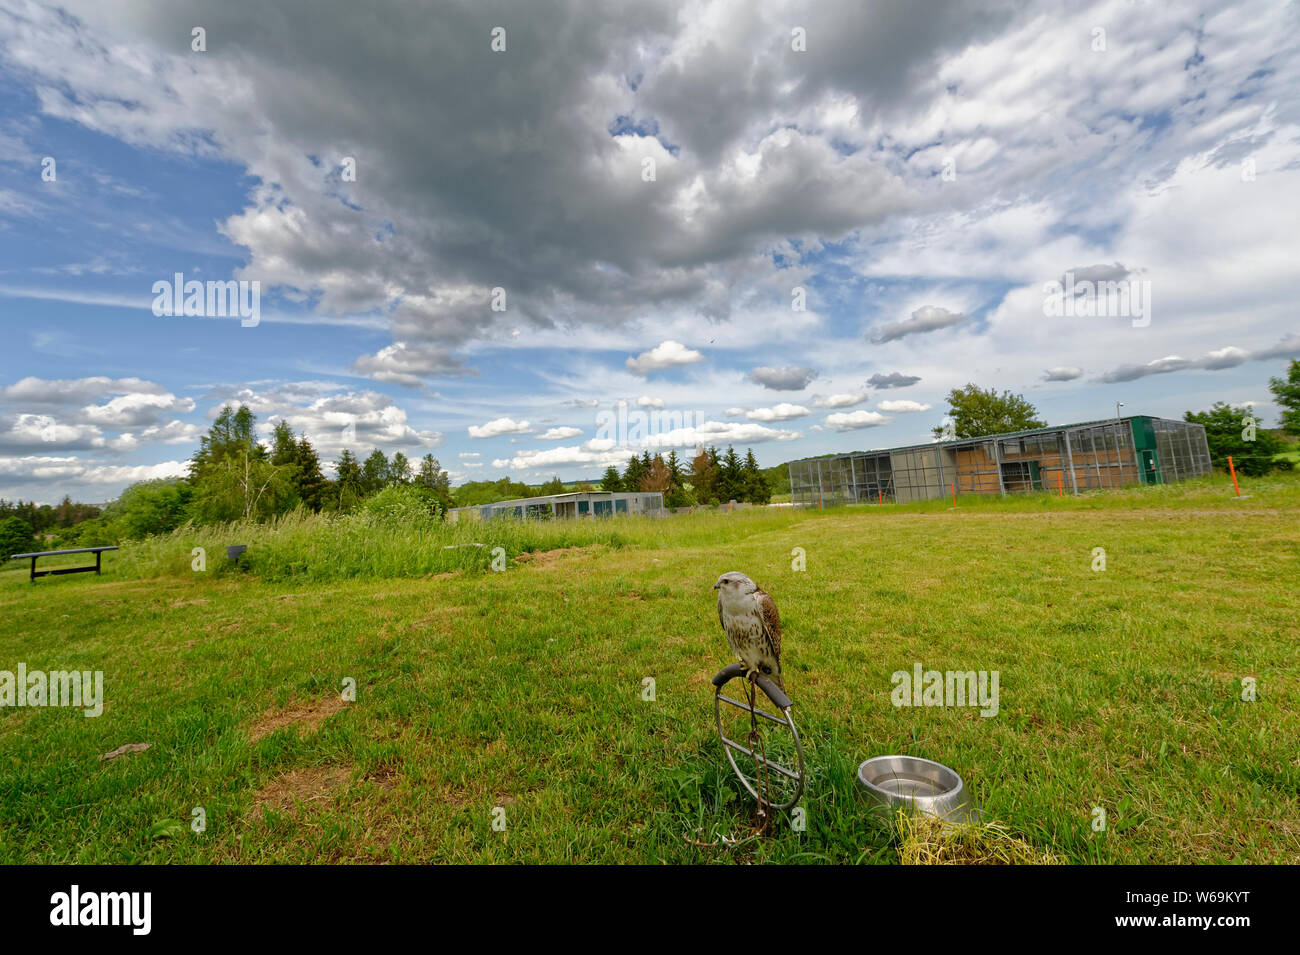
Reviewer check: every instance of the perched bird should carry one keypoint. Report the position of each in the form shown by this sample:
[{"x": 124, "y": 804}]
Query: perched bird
[{"x": 753, "y": 627}]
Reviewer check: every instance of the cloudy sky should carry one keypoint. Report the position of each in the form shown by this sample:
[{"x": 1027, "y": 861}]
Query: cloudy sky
[{"x": 478, "y": 227}]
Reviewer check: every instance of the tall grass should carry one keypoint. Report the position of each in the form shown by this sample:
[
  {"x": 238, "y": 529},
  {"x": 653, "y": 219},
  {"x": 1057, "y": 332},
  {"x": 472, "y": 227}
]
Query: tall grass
[
  {"x": 393, "y": 544},
  {"x": 322, "y": 547}
]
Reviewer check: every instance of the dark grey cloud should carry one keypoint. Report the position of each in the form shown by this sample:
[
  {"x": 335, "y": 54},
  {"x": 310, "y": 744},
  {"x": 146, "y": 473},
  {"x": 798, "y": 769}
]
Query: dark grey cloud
[
  {"x": 789, "y": 378},
  {"x": 892, "y": 380},
  {"x": 927, "y": 318},
  {"x": 477, "y": 170},
  {"x": 1115, "y": 272},
  {"x": 729, "y": 77}
]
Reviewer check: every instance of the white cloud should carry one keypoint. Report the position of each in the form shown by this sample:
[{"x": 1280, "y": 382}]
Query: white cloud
[
  {"x": 647, "y": 402},
  {"x": 406, "y": 364},
  {"x": 559, "y": 434},
  {"x": 669, "y": 354},
  {"x": 499, "y": 426},
  {"x": 73, "y": 470},
  {"x": 842, "y": 400},
  {"x": 903, "y": 406},
  {"x": 136, "y": 410},
  {"x": 853, "y": 420},
  {"x": 1062, "y": 373},
  {"x": 781, "y": 412},
  {"x": 174, "y": 432},
  {"x": 74, "y": 391}
]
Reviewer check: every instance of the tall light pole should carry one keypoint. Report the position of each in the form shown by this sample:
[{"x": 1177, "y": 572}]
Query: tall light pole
[{"x": 1118, "y": 405}]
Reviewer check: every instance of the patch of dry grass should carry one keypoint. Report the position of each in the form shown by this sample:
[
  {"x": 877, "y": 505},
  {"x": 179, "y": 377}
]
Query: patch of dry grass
[{"x": 927, "y": 840}]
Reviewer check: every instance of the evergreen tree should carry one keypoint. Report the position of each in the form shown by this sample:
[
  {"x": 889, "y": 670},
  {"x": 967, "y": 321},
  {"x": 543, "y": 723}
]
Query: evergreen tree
[
  {"x": 374, "y": 472},
  {"x": 399, "y": 471},
  {"x": 611, "y": 481},
  {"x": 432, "y": 476},
  {"x": 754, "y": 483},
  {"x": 348, "y": 484},
  {"x": 16, "y": 537},
  {"x": 704, "y": 472},
  {"x": 730, "y": 484},
  {"x": 553, "y": 486},
  {"x": 284, "y": 449},
  {"x": 310, "y": 480},
  {"x": 69, "y": 513},
  {"x": 633, "y": 474},
  {"x": 675, "y": 472}
]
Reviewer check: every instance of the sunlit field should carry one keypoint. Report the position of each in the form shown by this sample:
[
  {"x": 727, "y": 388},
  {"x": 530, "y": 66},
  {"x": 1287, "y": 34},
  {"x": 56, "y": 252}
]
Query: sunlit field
[{"x": 515, "y": 696}]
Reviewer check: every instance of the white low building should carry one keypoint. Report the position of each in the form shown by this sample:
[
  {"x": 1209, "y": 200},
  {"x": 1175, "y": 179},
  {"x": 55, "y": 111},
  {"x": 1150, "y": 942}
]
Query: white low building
[{"x": 572, "y": 504}]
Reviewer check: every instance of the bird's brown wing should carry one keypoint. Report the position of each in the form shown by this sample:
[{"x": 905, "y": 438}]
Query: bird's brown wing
[{"x": 771, "y": 622}]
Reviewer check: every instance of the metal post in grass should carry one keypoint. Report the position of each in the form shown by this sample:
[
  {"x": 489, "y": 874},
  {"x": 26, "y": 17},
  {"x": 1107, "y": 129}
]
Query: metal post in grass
[
  {"x": 1233, "y": 471},
  {"x": 1118, "y": 459},
  {"x": 1069, "y": 454},
  {"x": 1096, "y": 465},
  {"x": 997, "y": 462},
  {"x": 775, "y": 785}
]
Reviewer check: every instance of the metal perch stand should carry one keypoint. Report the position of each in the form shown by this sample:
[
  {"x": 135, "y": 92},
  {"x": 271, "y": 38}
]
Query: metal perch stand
[{"x": 774, "y": 785}]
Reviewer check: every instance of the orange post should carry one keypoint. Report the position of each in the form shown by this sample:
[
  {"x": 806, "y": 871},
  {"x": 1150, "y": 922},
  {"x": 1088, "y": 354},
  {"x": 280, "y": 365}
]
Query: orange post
[
  {"x": 882, "y": 494},
  {"x": 954, "y": 494},
  {"x": 1060, "y": 485},
  {"x": 1234, "y": 476}
]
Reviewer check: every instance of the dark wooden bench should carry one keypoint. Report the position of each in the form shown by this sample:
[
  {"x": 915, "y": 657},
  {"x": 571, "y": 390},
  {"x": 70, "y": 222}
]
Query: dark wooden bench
[{"x": 97, "y": 551}]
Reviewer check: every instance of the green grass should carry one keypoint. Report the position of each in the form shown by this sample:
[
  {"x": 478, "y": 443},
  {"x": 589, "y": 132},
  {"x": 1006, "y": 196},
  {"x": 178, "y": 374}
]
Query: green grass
[{"x": 522, "y": 689}]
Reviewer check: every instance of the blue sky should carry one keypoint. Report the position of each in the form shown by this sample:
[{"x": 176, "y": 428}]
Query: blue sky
[{"x": 919, "y": 176}]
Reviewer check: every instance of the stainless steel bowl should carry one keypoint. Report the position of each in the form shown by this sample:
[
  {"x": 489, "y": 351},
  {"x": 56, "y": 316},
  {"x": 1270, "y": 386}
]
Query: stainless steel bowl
[{"x": 914, "y": 783}]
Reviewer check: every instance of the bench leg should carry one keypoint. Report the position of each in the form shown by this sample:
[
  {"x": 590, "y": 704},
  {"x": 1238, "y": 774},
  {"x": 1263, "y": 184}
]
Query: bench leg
[
  {"x": 33, "y": 580},
  {"x": 98, "y": 554}
]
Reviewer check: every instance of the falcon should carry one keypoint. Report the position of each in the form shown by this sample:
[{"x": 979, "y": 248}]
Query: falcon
[{"x": 752, "y": 625}]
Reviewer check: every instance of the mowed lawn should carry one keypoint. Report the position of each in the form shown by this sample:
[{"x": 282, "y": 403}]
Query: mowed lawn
[{"x": 522, "y": 691}]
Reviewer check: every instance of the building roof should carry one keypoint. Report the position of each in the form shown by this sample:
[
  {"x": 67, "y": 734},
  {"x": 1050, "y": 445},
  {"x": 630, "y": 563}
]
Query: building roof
[
  {"x": 567, "y": 495},
  {"x": 958, "y": 442}
]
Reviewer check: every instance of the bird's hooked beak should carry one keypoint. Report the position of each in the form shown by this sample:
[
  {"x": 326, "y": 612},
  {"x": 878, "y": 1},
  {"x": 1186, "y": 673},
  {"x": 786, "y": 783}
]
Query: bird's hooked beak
[{"x": 717, "y": 585}]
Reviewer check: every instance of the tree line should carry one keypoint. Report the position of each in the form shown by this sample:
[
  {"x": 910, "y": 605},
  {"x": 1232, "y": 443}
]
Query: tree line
[
  {"x": 712, "y": 478},
  {"x": 232, "y": 476}
]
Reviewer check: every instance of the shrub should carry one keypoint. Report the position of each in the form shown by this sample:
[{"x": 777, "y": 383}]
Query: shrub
[
  {"x": 401, "y": 504},
  {"x": 16, "y": 537}
]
